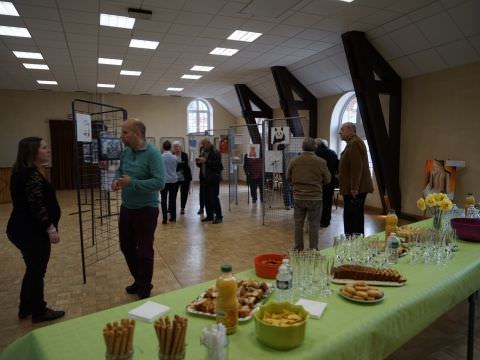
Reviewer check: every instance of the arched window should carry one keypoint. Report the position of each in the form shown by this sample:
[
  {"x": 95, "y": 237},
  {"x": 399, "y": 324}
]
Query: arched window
[
  {"x": 346, "y": 110},
  {"x": 199, "y": 116}
]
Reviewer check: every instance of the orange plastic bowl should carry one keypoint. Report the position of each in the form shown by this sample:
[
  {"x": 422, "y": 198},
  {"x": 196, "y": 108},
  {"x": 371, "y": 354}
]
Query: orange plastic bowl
[{"x": 266, "y": 265}]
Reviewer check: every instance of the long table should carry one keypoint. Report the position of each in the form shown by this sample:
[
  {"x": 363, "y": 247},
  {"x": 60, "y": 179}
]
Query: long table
[{"x": 346, "y": 330}]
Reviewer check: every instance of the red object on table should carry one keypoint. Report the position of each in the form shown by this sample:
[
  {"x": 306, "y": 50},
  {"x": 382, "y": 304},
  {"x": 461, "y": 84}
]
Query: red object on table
[
  {"x": 467, "y": 229},
  {"x": 266, "y": 265}
]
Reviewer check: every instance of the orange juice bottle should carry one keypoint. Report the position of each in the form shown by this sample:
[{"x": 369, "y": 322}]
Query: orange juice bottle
[
  {"x": 227, "y": 301},
  {"x": 391, "y": 221}
]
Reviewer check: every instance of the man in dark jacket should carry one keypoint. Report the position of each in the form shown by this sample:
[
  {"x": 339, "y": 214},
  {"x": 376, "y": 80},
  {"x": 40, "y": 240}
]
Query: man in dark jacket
[
  {"x": 331, "y": 158},
  {"x": 211, "y": 169}
]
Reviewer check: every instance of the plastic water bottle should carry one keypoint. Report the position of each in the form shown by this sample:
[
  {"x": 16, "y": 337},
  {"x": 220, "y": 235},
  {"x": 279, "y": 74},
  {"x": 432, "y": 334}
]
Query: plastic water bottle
[
  {"x": 392, "y": 248},
  {"x": 284, "y": 281}
]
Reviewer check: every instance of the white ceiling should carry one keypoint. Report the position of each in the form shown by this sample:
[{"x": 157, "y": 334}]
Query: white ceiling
[{"x": 415, "y": 36}]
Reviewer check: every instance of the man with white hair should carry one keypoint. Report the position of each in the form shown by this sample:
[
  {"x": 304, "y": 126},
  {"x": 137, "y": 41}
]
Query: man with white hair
[
  {"x": 355, "y": 179},
  {"x": 307, "y": 173}
]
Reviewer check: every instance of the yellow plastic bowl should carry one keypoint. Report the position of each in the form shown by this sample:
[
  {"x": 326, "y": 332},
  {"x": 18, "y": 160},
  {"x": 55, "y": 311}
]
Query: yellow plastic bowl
[{"x": 278, "y": 337}]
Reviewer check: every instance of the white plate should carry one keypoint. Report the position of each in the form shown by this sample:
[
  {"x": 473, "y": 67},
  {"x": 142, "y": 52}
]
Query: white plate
[
  {"x": 191, "y": 309},
  {"x": 369, "y": 282},
  {"x": 361, "y": 301}
]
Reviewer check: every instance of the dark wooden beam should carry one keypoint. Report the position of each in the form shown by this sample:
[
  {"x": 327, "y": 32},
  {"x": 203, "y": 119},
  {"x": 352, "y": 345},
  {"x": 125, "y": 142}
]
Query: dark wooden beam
[
  {"x": 372, "y": 75},
  {"x": 247, "y": 97},
  {"x": 287, "y": 85}
]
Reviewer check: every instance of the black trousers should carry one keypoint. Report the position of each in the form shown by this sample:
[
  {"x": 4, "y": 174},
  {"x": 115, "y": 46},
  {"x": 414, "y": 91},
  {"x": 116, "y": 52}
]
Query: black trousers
[
  {"x": 201, "y": 194},
  {"x": 184, "y": 187},
  {"x": 212, "y": 202},
  {"x": 136, "y": 231},
  {"x": 36, "y": 253},
  {"x": 353, "y": 213},
  {"x": 255, "y": 184},
  {"x": 169, "y": 193},
  {"x": 327, "y": 200}
]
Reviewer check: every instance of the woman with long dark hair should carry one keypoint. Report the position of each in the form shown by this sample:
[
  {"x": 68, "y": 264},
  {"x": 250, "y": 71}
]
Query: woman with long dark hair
[{"x": 32, "y": 226}]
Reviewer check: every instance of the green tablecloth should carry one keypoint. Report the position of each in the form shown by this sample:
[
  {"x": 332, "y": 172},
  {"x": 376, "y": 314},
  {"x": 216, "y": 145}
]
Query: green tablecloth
[{"x": 346, "y": 330}]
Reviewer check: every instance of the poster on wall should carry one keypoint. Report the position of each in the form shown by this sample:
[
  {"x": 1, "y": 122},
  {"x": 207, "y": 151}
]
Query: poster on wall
[
  {"x": 273, "y": 161},
  {"x": 84, "y": 127},
  {"x": 439, "y": 178},
  {"x": 280, "y": 135}
]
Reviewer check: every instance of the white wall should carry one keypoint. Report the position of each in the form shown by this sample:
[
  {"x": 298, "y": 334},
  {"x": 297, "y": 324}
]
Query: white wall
[{"x": 26, "y": 113}]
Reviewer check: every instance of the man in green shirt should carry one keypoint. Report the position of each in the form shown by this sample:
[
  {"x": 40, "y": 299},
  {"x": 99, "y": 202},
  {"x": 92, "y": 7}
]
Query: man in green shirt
[{"x": 140, "y": 176}]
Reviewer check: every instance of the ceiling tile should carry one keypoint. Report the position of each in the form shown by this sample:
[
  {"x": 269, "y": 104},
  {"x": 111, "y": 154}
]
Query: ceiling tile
[
  {"x": 258, "y": 26},
  {"x": 381, "y": 17},
  {"x": 302, "y": 19},
  {"x": 426, "y": 11},
  {"x": 325, "y": 88},
  {"x": 313, "y": 34},
  {"x": 226, "y": 22},
  {"x": 39, "y": 24},
  {"x": 299, "y": 43},
  {"x": 285, "y": 30},
  {"x": 387, "y": 48},
  {"x": 428, "y": 61},
  {"x": 397, "y": 24},
  {"x": 407, "y": 6},
  {"x": 193, "y": 18},
  {"x": 410, "y": 39},
  {"x": 271, "y": 39},
  {"x": 458, "y": 53},
  {"x": 185, "y": 30},
  {"x": 38, "y": 12},
  {"x": 76, "y": 16},
  {"x": 405, "y": 67},
  {"x": 439, "y": 29},
  {"x": 466, "y": 16},
  {"x": 204, "y": 6},
  {"x": 321, "y": 7},
  {"x": 319, "y": 46}
]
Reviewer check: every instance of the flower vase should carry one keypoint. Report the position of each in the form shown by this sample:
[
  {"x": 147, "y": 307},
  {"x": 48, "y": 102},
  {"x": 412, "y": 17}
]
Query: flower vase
[{"x": 437, "y": 218}]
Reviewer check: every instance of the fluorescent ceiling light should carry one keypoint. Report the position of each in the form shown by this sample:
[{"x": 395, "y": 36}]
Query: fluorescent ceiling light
[
  {"x": 36, "y": 66},
  {"x": 28, "y": 55},
  {"x": 7, "y": 8},
  {"x": 107, "y": 61},
  {"x": 347, "y": 0},
  {"x": 174, "y": 89},
  {"x": 240, "y": 35},
  {"x": 193, "y": 77},
  {"x": 123, "y": 22},
  {"x": 223, "y": 51},
  {"x": 130, "y": 72},
  {"x": 47, "y": 82},
  {"x": 106, "y": 86},
  {"x": 14, "y": 31},
  {"x": 202, "y": 68},
  {"x": 143, "y": 44}
]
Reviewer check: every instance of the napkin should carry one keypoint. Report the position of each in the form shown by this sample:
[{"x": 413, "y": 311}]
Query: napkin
[
  {"x": 149, "y": 311},
  {"x": 314, "y": 308}
]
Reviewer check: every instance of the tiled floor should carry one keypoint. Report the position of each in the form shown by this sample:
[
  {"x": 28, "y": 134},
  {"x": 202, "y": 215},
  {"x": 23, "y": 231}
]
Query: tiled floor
[{"x": 186, "y": 252}]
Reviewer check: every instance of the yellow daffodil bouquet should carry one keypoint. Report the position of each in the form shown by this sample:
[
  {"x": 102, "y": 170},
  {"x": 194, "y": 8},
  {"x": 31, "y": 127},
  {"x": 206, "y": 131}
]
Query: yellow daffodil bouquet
[{"x": 437, "y": 203}]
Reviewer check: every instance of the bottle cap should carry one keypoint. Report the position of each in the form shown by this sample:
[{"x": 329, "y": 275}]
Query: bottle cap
[{"x": 226, "y": 268}]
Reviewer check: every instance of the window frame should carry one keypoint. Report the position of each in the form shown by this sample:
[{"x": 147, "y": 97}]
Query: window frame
[{"x": 197, "y": 114}]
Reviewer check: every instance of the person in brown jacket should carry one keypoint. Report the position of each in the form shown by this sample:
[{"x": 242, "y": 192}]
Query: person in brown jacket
[
  {"x": 355, "y": 179},
  {"x": 307, "y": 173}
]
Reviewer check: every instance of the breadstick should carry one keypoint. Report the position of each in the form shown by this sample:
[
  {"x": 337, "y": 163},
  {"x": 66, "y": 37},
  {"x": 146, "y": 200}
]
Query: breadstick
[
  {"x": 163, "y": 339},
  {"x": 168, "y": 342},
  {"x": 118, "y": 339},
  {"x": 131, "y": 330},
  {"x": 184, "y": 334},
  {"x": 176, "y": 339}
]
